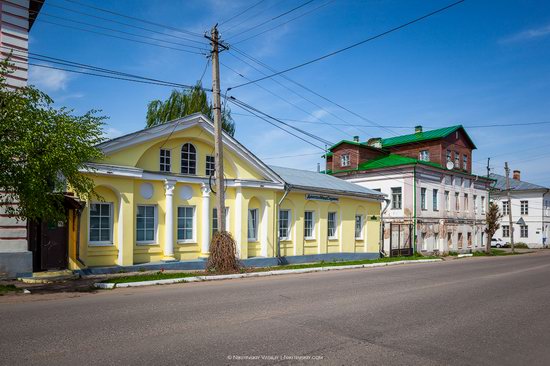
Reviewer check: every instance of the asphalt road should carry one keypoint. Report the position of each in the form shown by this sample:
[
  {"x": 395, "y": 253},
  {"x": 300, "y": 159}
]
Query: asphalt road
[{"x": 477, "y": 311}]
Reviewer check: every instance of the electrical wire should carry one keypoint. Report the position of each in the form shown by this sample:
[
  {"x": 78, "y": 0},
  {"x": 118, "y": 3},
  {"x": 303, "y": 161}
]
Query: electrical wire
[
  {"x": 240, "y": 13},
  {"x": 352, "y": 45}
]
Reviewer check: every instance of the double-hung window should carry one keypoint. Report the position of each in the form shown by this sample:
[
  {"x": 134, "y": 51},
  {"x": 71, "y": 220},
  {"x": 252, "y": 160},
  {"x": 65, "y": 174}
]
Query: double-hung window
[
  {"x": 447, "y": 201},
  {"x": 253, "y": 224},
  {"x": 359, "y": 222},
  {"x": 331, "y": 225},
  {"x": 466, "y": 207},
  {"x": 215, "y": 219},
  {"x": 505, "y": 208},
  {"x": 396, "y": 198},
  {"x": 210, "y": 165},
  {"x": 146, "y": 224},
  {"x": 435, "y": 200},
  {"x": 465, "y": 162},
  {"x": 309, "y": 224},
  {"x": 284, "y": 224},
  {"x": 165, "y": 160},
  {"x": 457, "y": 201},
  {"x": 506, "y": 231},
  {"x": 423, "y": 198},
  {"x": 524, "y": 206},
  {"x": 483, "y": 205},
  {"x": 475, "y": 203},
  {"x": 424, "y": 155},
  {"x": 186, "y": 223},
  {"x": 344, "y": 160},
  {"x": 188, "y": 159},
  {"x": 449, "y": 159},
  {"x": 524, "y": 231},
  {"x": 457, "y": 160},
  {"x": 101, "y": 223}
]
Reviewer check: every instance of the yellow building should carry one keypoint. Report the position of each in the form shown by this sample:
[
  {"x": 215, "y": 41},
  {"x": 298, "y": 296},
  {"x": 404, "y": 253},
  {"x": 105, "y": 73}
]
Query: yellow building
[{"x": 156, "y": 205}]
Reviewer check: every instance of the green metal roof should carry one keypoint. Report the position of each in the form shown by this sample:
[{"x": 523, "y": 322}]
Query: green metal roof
[
  {"x": 348, "y": 142},
  {"x": 393, "y": 160},
  {"x": 424, "y": 136}
]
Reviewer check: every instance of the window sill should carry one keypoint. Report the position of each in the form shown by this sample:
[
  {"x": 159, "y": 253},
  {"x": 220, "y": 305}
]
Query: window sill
[
  {"x": 359, "y": 239},
  {"x": 285, "y": 239},
  {"x": 146, "y": 243},
  {"x": 333, "y": 238},
  {"x": 184, "y": 242},
  {"x": 309, "y": 238},
  {"x": 252, "y": 240},
  {"x": 100, "y": 244}
]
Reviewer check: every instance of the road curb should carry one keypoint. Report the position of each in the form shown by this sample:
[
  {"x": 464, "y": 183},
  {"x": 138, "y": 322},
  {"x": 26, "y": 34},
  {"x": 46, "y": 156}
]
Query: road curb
[{"x": 110, "y": 285}]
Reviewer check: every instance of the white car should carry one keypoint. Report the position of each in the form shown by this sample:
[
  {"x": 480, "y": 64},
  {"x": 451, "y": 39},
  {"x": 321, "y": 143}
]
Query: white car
[{"x": 497, "y": 243}]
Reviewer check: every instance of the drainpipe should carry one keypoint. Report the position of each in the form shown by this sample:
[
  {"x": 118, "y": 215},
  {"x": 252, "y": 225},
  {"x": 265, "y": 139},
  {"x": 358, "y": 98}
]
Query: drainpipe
[
  {"x": 287, "y": 190},
  {"x": 543, "y": 231},
  {"x": 381, "y": 241},
  {"x": 414, "y": 209}
]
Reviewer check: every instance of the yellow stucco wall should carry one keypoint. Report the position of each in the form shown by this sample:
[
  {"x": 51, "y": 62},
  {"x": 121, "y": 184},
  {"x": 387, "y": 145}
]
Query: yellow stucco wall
[{"x": 124, "y": 193}]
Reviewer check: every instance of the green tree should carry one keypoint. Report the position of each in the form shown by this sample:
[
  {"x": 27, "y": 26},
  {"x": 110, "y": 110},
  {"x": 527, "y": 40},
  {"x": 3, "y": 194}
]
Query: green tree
[
  {"x": 183, "y": 103},
  {"x": 492, "y": 222},
  {"x": 42, "y": 149}
]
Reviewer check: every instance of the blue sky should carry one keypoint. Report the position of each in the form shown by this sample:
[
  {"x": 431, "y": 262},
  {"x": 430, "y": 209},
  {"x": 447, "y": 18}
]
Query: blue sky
[{"x": 479, "y": 63}]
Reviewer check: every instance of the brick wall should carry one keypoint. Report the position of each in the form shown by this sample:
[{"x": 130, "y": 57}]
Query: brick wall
[{"x": 357, "y": 154}]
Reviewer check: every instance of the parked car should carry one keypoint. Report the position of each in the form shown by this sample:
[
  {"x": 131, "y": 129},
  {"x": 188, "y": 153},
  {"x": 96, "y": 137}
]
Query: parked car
[{"x": 497, "y": 243}]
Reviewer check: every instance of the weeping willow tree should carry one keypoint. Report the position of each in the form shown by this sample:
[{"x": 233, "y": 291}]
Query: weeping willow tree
[{"x": 183, "y": 103}]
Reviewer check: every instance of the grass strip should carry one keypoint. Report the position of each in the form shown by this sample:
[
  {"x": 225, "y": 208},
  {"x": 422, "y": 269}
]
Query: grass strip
[
  {"x": 4, "y": 289},
  {"x": 160, "y": 275}
]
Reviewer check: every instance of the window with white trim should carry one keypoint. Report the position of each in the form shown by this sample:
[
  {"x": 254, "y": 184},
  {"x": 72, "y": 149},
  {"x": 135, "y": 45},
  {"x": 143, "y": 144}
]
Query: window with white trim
[
  {"x": 457, "y": 160},
  {"x": 253, "y": 224},
  {"x": 523, "y": 231},
  {"x": 424, "y": 155},
  {"x": 331, "y": 225},
  {"x": 186, "y": 223},
  {"x": 101, "y": 223},
  {"x": 449, "y": 159},
  {"x": 423, "y": 199},
  {"x": 165, "y": 160},
  {"x": 284, "y": 224},
  {"x": 188, "y": 159},
  {"x": 505, "y": 231},
  {"x": 309, "y": 224},
  {"x": 344, "y": 160},
  {"x": 483, "y": 205},
  {"x": 505, "y": 208},
  {"x": 359, "y": 223},
  {"x": 210, "y": 165},
  {"x": 447, "y": 201},
  {"x": 457, "y": 201},
  {"x": 466, "y": 199},
  {"x": 215, "y": 219},
  {"x": 524, "y": 206},
  {"x": 435, "y": 200},
  {"x": 465, "y": 162},
  {"x": 146, "y": 224},
  {"x": 396, "y": 196},
  {"x": 475, "y": 204}
]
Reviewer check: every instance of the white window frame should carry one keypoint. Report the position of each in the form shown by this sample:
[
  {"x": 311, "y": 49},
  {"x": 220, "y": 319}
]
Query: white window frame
[
  {"x": 362, "y": 220},
  {"x": 423, "y": 205},
  {"x": 524, "y": 207},
  {"x": 345, "y": 160},
  {"x": 111, "y": 225},
  {"x": 424, "y": 155},
  {"x": 209, "y": 165},
  {"x": 447, "y": 201},
  {"x": 435, "y": 200},
  {"x": 393, "y": 201},
  {"x": 505, "y": 231},
  {"x": 193, "y": 228},
  {"x": 335, "y": 236},
  {"x": 466, "y": 203},
  {"x": 483, "y": 205},
  {"x": 215, "y": 217},
  {"x": 189, "y": 159},
  {"x": 505, "y": 208},
  {"x": 312, "y": 236},
  {"x": 169, "y": 157},
  {"x": 523, "y": 234},
  {"x": 257, "y": 211},
  {"x": 457, "y": 201},
  {"x": 155, "y": 227},
  {"x": 287, "y": 237},
  {"x": 475, "y": 204}
]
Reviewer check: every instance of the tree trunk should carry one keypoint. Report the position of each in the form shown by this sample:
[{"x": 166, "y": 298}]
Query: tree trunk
[{"x": 488, "y": 244}]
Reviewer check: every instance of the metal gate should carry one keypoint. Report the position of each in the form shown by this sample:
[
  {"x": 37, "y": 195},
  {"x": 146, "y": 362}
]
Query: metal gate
[{"x": 401, "y": 240}]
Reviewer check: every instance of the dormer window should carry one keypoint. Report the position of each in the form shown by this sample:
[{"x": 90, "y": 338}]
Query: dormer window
[
  {"x": 424, "y": 155},
  {"x": 188, "y": 159},
  {"x": 165, "y": 160},
  {"x": 465, "y": 162},
  {"x": 344, "y": 160},
  {"x": 457, "y": 160}
]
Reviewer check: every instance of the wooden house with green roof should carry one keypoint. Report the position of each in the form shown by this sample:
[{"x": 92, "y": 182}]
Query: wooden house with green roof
[{"x": 436, "y": 204}]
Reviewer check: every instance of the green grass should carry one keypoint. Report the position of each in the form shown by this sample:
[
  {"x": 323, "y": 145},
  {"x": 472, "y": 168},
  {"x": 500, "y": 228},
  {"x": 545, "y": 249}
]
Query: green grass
[
  {"x": 164, "y": 276},
  {"x": 494, "y": 252},
  {"x": 4, "y": 289}
]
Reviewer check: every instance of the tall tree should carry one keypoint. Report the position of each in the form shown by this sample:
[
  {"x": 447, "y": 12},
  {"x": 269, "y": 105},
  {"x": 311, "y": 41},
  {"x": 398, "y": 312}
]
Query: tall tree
[
  {"x": 42, "y": 149},
  {"x": 492, "y": 220},
  {"x": 182, "y": 103}
]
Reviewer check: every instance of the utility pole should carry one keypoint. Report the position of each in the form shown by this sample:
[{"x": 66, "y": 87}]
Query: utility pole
[
  {"x": 488, "y": 167},
  {"x": 218, "y": 143},
  {"x": 507, "y": 169}
]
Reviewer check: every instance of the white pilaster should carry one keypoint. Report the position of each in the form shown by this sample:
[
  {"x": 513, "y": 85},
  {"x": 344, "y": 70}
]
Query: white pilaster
[
  {"x": 263, "y": 240},
  {"x": 205, "y": 218},
  {"x": 238, "y": 219},
  {"x": 169, "y": 186}
]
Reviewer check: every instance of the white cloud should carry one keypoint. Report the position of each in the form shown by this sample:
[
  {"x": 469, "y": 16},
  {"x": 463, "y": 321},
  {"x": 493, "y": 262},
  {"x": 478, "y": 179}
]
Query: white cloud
[
  {"x": 111, "y": 132},
  {"x": 48, "y": 79},
  {"x": 528, "y": 34}
]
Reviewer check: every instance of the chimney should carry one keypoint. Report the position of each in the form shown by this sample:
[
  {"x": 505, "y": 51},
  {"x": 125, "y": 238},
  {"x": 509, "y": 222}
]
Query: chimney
[
  {"x": 418, "y": 129},
  {"x": 517, "y": 175},
  {"x": 356, "y": 138},
  {"x": 375, "y": 142}
]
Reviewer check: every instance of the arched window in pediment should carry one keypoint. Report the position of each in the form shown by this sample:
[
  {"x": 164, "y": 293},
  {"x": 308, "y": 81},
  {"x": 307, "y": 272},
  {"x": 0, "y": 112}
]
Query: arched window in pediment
[{"x": 188, "y": 159}]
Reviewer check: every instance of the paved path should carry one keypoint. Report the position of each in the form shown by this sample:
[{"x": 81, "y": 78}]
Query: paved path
[{"x": 477, "y": 311}]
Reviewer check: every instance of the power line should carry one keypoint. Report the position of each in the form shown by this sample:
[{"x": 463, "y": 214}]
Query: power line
[
  {"x": 119, "y": 37},
  {"x": 274, "y": 124},
  {"x": 120, "y": 31},
  {"x": 133, "y": 18},
  {"x": 351, "y": 46},
  {"x": 118, "y": 22},
  {"x": 274, "y": 18},
  {"x": 250, "y": 17},
  {"x": 281, "y": 24},
  {"x": 240, "y": 13}
]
